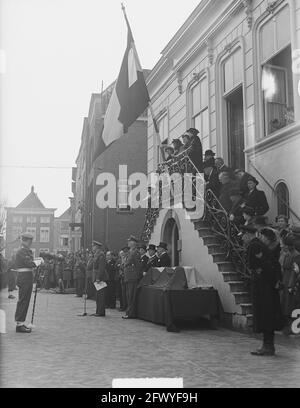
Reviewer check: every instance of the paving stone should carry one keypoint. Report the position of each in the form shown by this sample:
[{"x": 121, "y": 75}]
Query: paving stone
[{"x": 65, "y": 350}]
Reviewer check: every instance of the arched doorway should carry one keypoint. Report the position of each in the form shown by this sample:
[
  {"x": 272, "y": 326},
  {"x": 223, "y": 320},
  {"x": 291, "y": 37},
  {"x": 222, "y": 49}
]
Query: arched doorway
[{"x": 171, "y": 237}]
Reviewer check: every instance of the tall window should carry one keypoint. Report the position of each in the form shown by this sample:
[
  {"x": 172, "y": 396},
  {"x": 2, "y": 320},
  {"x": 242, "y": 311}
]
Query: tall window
[
  {"x": 32, "y": 231},
  {"x": 65, "y": 241},
  {"x": 277, "y": 76},
  {"x": 282, "y": 195},
  {"x": 200, "y": 116},
  {"x": 45, "y": 220},
  {"x": 163, "y": 128},
  {"x": 44, "y": 234},
  {"x": 233, "y": 97},
  {"x": 31, "y": 219}
]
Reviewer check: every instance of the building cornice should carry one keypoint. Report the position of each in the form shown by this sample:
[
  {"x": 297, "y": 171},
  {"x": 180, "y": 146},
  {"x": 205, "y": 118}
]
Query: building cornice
[{"x": 204, "y": 41}]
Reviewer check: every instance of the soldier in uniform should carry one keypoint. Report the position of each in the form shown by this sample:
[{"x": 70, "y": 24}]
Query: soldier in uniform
[
  {"x": 132, "y": 274},
  {"x": 24, "y": 266},
  {"x": 152, "y": 261},
  {"x": 99, "y": 275},
  {"x": 163, "y": 256},
  {"x": 144, "y": 258}
]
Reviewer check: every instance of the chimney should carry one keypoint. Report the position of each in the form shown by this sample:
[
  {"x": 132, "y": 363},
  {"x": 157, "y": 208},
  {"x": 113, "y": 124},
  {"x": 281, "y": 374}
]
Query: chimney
[{"x": 32, "y": 189}]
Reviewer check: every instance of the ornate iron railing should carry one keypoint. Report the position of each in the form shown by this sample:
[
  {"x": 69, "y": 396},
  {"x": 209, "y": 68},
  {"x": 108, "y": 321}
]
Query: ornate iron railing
[{"x": 214, "y": 214}]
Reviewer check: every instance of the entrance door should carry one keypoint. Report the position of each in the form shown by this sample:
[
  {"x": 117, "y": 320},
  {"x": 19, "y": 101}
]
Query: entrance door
[
  {"x": 235, "y": 129},
  {"x": 171, "y": 236}
]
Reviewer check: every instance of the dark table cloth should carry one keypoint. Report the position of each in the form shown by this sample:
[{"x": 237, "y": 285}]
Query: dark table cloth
[{"x": 167, "y": 306}]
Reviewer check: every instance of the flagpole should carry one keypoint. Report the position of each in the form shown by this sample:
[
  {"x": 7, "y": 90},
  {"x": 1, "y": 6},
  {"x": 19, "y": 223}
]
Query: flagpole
[{"x": 156, "y": 129}]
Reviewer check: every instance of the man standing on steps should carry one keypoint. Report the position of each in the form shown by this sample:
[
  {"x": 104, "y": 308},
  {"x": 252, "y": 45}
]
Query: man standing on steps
[{"x": 24, "y": 266}]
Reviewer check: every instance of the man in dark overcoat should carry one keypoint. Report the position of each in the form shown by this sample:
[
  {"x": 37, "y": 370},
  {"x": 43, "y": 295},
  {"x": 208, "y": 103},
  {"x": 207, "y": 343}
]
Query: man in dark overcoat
[{"x": 265, "y": 275}]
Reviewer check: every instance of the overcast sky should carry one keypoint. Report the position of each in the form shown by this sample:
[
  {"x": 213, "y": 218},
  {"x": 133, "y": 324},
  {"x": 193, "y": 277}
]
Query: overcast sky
[{"x": 54, "y": 54}]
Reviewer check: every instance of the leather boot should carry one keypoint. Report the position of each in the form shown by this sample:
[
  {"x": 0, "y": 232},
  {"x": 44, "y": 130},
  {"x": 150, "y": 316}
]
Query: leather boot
[{"x": 23, "y": 329}]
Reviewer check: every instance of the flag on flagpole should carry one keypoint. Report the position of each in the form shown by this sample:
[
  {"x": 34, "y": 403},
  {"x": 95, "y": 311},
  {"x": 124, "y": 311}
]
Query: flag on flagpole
[{"x": 129, "y": 98}]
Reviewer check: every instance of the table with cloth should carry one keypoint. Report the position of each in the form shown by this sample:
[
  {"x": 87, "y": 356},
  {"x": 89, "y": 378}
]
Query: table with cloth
[{"x": 167, "y": 295}]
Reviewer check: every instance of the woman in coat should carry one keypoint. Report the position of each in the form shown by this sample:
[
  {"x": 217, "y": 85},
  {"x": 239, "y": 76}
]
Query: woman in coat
[
  {"x": 256, "y": 199},
  {"x": 265, "y": 277}
]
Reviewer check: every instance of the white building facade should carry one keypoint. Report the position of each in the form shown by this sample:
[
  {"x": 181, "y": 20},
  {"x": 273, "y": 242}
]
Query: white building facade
[{"x": 231, "y": 72}]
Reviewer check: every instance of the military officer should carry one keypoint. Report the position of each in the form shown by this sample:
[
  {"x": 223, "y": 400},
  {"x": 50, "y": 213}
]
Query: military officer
[
  {"x": 24, "y": 266},
  {"x": 144, "y": 258},
  {"x": 100, "y": 275},
  {"x": 132, "y": 274},
  {"x": 152, "y": 261},
  {"x": 163, "y": 256}
]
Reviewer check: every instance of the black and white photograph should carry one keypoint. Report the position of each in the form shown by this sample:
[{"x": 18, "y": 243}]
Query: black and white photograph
[{"x": 149, "y": 198}]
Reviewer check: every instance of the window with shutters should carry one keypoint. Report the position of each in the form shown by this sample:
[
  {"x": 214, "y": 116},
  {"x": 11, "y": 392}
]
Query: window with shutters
[
  {"x": 277, "y": 76},
  {"x": 199, "y": 110}
]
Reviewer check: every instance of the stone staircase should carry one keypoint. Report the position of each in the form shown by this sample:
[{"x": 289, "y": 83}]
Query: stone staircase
[{"x": 227, "y": 269}]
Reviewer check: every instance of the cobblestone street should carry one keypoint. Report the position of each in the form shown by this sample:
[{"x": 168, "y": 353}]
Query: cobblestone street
[{"x": 66, "y": 350}]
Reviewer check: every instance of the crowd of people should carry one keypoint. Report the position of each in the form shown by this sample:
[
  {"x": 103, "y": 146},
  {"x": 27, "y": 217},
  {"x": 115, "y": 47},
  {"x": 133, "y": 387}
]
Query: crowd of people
[{"x": 272, "y": 250}]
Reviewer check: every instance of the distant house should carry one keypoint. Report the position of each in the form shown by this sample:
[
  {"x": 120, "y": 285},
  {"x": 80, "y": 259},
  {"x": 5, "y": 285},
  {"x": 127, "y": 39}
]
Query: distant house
[
  {"x": 30, "y": 216},
  {"x": 62, "y": 242}
]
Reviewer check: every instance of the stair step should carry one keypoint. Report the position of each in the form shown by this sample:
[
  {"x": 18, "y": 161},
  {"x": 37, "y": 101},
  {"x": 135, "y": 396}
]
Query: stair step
[
  {"x": 225, "y": 266},
  {"x": 246, "y": 308},
  {"x": 219, "y": 257},
  {"x": 201, "y": 224},
  {"x": 203, "y": 232},
  {"x": 210, "y": 239},
  {"x": 213, "y": 248},
  {"x": 241, "y": 297},
  {"x": 236, "y": 286},
  {"x": 230, "y": 276}
]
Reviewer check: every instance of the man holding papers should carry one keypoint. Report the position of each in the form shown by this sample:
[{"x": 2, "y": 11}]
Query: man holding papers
[{"x": 100, "y": 278}]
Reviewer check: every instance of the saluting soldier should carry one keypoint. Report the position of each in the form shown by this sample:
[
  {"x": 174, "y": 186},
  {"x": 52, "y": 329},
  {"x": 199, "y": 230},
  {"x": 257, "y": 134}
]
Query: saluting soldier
[
  {"x": 24, "y": 265},
  {"x": 163, "y": 256},
  {"x": 100, "y": 275},
  {"x": 132, "y": 274}
]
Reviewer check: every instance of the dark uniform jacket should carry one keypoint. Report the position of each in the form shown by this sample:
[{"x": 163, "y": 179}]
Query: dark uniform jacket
[
  {"x": 111, "y": 270},
  {"x": 90, "y": 267},
  {"x": 257, "y": 200},
  {"x": 99, "y": 270},
  {"x": 24, "y": 259},
  {"x": 152, "y": 262},
  {"x": 266, "y": 272},
  {"x": 144, "y": 262},
  {"x": 132, "y": 266},
  {"x": 213, "y": 182},
  {"x": 163, "y": 260},
  {"x": 196, "y": 154}
]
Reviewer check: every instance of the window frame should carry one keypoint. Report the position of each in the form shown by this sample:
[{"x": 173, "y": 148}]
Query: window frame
[
  {"x": 203, "y": 75},
  {"x": 260, "y": 132},
  {"x": 41, "y": 231}
]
